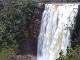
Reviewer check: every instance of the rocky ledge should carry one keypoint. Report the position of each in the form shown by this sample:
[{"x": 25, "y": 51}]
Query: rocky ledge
[{"x": 23, "y": 57}]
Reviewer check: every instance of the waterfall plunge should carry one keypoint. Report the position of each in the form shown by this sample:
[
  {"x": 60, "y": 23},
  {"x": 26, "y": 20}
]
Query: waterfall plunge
[{"x": 54, "y": 37}]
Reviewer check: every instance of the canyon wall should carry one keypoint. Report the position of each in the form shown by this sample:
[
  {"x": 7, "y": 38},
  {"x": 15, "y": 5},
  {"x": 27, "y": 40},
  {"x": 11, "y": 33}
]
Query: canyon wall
[{"x": 29, "y": 44}]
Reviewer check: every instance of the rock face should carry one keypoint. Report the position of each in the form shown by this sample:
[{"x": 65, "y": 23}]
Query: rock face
[
  {"x": 35, "y": 27},
  {"x": 23, "y": 57},
  {"x": 75, "y": 37},
  {"x": 29, "y": 45},
  {"x": 1, "y": 6}
]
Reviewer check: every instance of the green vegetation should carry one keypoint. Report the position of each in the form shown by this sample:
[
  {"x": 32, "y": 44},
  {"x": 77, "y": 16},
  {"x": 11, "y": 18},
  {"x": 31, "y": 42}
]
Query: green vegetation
[
  {"x": 71, "y": 54},
  {"x": 15, "y": 19},
  {"x": 7, "y": 53}
]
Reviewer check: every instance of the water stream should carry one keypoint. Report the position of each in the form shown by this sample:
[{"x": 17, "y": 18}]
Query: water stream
[{"x": 56, "y": 25}]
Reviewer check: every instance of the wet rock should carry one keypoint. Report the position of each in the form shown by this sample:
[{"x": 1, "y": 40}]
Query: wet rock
[
  {"x": 34, "y": 28},
  {"x": 75, "y": 36},
  {"x": 23, "y": 57}
]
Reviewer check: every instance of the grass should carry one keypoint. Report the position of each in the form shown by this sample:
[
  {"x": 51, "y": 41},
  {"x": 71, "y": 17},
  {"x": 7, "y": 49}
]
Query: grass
[{"x": 7, "y": 53}]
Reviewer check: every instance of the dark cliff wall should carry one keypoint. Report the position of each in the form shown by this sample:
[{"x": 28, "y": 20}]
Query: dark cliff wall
[
  {"x": 35, "y": 27},
  {"x": 29, "y": 45},
  {"x": 75, "y": 36}
]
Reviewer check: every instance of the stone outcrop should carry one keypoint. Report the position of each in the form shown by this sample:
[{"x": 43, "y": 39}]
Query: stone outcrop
[
  {"x": 75, "y": 36},
  {"x": 29, "y": 45},
  {"x": 35, "y": 27},
  {"x": 23, "y": 57}
]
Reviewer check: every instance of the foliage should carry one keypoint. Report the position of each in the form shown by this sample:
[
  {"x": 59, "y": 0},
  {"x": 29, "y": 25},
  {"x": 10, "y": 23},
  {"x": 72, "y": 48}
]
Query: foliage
[
  {"x": 15, "y": 19},
  {"x": 7, "y": 53},
  {"x": 14, "y": 22},
  {"x": 72, "y": 54}
]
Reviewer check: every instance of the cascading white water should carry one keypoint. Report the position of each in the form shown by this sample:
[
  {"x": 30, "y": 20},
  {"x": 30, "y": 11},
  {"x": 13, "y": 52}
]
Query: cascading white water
[{"x": 54, "y": 37}]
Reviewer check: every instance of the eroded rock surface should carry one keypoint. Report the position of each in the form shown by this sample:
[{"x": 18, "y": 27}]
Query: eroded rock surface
[
  {"x": 35, "y": 27},
  {"x": 75, "y": 37},
  {"x": 23, "y": 57},
  {"x": 29, "y": 45}
]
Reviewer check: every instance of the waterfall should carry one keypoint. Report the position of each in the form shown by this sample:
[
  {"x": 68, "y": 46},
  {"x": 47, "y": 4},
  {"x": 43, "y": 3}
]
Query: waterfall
[{"x": 57, "y": 22}]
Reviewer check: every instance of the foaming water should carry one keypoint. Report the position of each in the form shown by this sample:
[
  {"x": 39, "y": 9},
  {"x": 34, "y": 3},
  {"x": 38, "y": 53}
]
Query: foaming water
[{"x": 54, "y": 37}]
